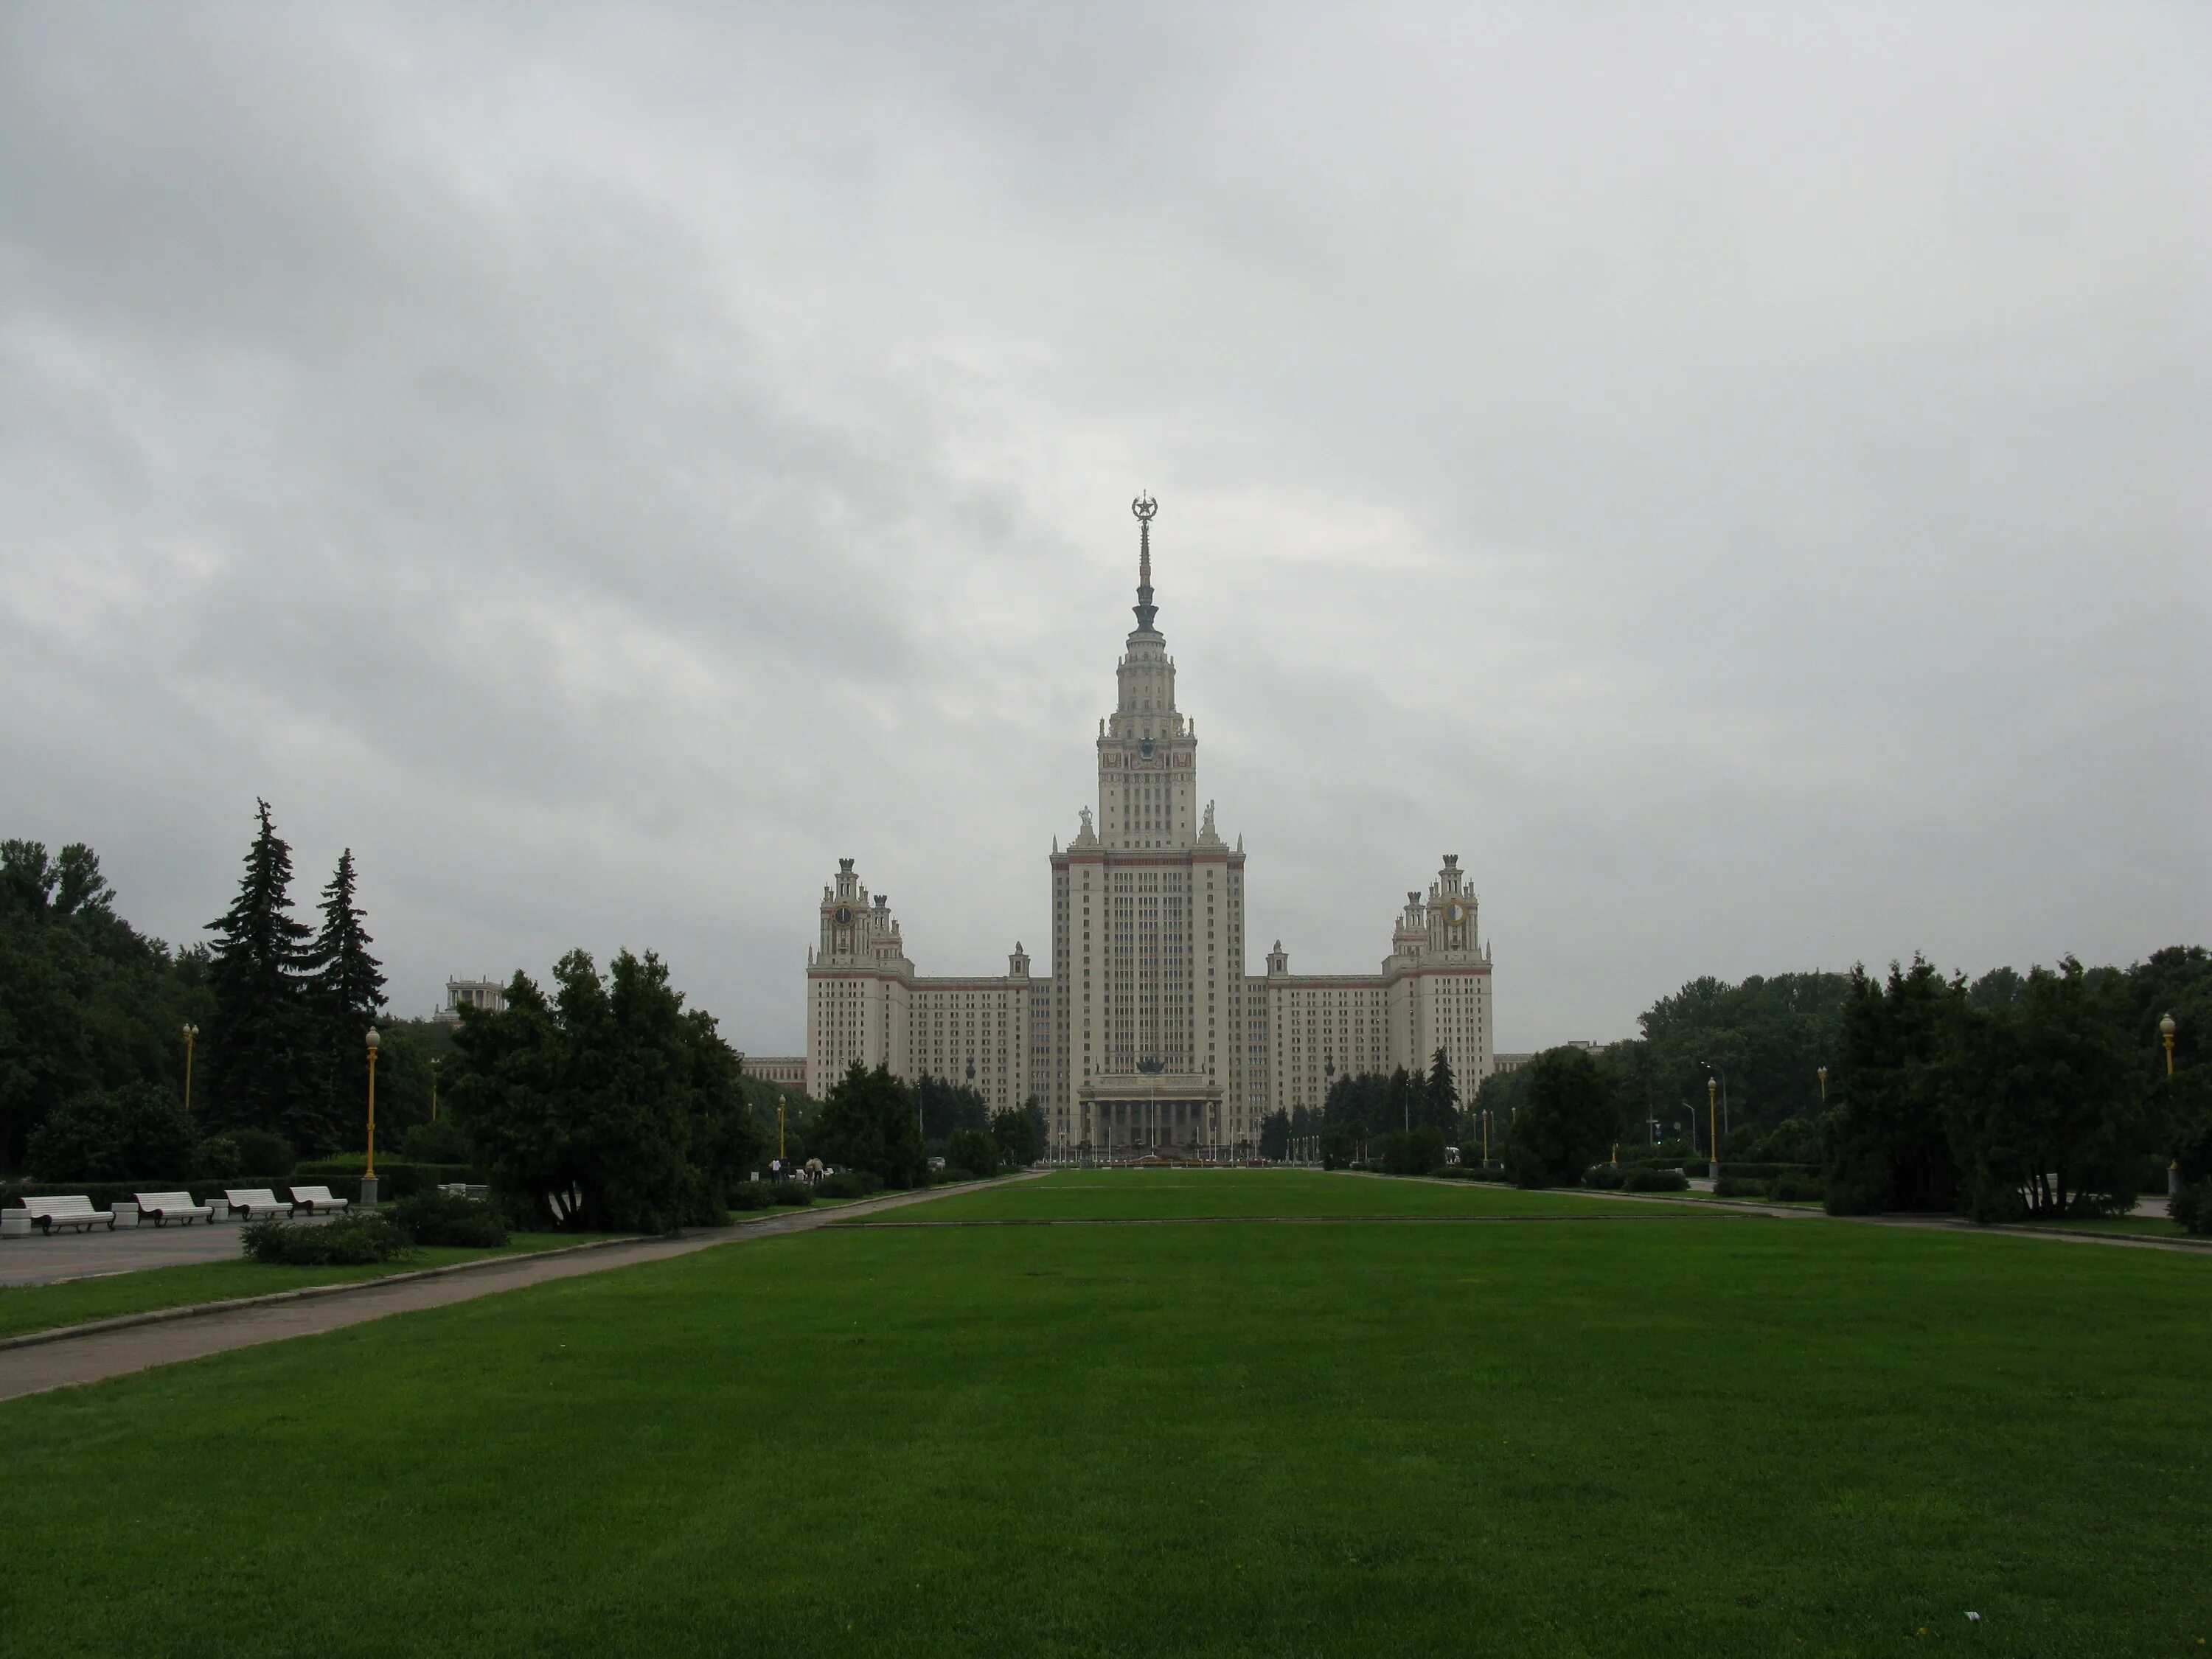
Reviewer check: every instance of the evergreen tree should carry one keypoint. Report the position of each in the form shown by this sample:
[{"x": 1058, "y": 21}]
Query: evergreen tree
[
  {"x": 258, "y": 1072},
  {"x": 344, "y": 991},
  {"x": 1443, "y": 1104}
]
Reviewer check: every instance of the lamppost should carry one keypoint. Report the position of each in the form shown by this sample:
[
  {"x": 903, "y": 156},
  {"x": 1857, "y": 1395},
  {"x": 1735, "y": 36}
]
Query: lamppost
[
  {"x": 779, "y": 1126},
  {"x": 368, "y": 1171},
  {"x": 2173, "y": 1168},
  {"x": 191, "y": 1031},
  {"x": 435, "y": 1061},
  {"x": 1712, "y": 1108},
  {"x": 1824, "y": 1088}
]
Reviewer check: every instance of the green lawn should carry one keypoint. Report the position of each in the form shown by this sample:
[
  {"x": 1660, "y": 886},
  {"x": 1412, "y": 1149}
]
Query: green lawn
[
  {"x": 1163, "y": 1194},
  {"x": 1662, "y": 1433},
  {"x": 26, "y": 1308}
]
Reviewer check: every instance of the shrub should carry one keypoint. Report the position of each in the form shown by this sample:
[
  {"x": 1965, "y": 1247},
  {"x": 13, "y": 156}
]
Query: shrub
[
  {"x": 112, "y": 1134},
  {"x": 750, "y": 1195},
  {"x": 443, "y": 1142},
  {"x": 258, "y": 1149},
  {"x": 1492, "y": 1171},
  {"x": 848, "y": 1183},
  {"x": 436, "y": 1218},
  {"x": 218, "y": 1159},
  {"x": 1649, "y": 1179},
  {"x": 1730, "y": 1186},
  {"x": 1797, "y": 1188},
  {"x": 1696, "y": 1166},
  {"x": 1608, "y": 1175},
  {"x": 972, "y": 1149},
  {"x": 2191, "y": 1209},
  {"x": 350, "y": 1241},
  {"x": 789, "y": 1192}
]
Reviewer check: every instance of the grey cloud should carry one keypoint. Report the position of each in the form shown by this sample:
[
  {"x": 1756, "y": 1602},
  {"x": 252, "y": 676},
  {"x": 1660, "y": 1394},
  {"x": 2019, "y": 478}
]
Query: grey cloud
[{"x": 1733, "y": 475}]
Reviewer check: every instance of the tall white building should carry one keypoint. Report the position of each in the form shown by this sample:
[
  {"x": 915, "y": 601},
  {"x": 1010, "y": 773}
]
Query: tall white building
[{"x": 1148, "y": 1032}]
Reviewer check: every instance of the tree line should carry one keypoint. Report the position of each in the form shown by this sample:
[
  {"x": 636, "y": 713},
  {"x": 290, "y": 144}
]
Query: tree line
[
  {"x": 97, "y": 1021},
  {"x": 2014, "y": 1096}
]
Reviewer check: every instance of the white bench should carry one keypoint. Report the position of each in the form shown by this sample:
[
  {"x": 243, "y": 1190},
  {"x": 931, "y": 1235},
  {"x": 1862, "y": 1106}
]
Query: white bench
[
  {"x": 48, "y": 1213},
  {"x": 165, "y": 1207},
  {"x": 253, "y": 1202},
  {"x": 317, "y": 1200}
]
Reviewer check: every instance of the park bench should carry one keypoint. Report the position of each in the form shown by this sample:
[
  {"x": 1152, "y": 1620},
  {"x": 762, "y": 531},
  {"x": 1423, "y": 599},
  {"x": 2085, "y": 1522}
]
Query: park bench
[
  {"x": 251, "y": 1203},
  {"x": 465, "y": 1189},
  {"x": 48, "y": 1213},
  {"x": 165, "y": 1207},
  {"x": 317, "y": 1200}
]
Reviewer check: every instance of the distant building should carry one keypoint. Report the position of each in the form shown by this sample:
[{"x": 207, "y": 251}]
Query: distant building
[
  {"x": 1501, "y": 1064},
  {"x": 487, "y": 995},
  {"x": 1148, "y": 1032},
  {"x": 785, "y": 1071}
]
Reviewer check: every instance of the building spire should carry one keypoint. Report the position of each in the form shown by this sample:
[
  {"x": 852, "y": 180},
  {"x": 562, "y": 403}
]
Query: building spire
[{"x": 1144, "y": 506}]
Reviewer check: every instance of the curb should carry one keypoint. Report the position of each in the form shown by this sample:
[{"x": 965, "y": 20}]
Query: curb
[{"x": 193, "y": 1310}]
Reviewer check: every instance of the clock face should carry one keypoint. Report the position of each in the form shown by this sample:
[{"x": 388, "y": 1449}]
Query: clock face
[
  {"x": 844, "y": 914},
  {"x": 1459, "y": 913}
]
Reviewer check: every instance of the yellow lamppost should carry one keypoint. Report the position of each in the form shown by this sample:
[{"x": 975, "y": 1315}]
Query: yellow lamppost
[
  {"x": 1824, "y": 1088},
  {"x": 1713, "y": 1110},
  {"x": 191, "y": 1031},
  {"x": 369, "y": 1173},
  {"x": 779, "y": 1128},
  {"x": 2173, "y": 1169}
]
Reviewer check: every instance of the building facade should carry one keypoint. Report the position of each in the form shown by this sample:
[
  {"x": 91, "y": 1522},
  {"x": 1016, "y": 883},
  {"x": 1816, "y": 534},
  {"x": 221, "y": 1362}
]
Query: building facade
[{"x": 1148, "y": 1033}]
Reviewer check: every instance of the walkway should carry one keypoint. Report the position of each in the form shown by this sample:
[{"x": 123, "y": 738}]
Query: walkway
[
  {"x": 39, "y": 1259},
  {"x": 92, "y": 1358}
]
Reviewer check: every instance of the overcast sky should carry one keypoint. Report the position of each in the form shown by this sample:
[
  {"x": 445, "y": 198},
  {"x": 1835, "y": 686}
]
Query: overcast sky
[{"x": 1738, "y": 477}]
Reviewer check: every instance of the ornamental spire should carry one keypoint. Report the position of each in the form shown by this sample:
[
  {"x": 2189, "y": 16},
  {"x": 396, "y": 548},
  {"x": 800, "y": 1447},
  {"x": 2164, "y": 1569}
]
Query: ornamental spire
[{"x": 1144, "y": 506}]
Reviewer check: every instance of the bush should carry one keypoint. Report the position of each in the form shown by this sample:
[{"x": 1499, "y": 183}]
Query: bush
[
  {"x": 396, "y": 1178},
  {"x": 443, "y": 1142},
  {"x": 351, "y": 1241},
  {"x": 1611, "y": 1177},
  {"x": 1797, "y": 1188},
  {"x": 1492, "y": 1171},
  {"x": 2191, "y": 1209},
  {"x": 258, "y": 1149},
  {"x": 435, "y": 1218},
  {"x": 848, "y": 1183},
  {"x": 218, "y": 1159},
  {"x": 1696, "y": 1166},
  {"x": 1730, "y": 1186},
  {"x": 972, "y": 1149},
  {"x": 750, "y": 1195},
  {"x": 789, "y": 1192},
  {"x": 109, "y": 1134},
  {"x": 1649, "y": 1179}
]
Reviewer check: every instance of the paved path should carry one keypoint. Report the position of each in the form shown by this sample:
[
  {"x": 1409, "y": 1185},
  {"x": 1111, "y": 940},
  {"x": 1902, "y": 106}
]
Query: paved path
[
  {"x": 112, "y": 1354},
  {"x": 39, "y": 1259}
]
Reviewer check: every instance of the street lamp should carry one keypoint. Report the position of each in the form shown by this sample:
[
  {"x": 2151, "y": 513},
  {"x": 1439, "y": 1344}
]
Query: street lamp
[
  {"x": 2173, "y": 1169},
  {"x": 435, "y": 1061},
  {"x": 1824, "y": 1088},
  {"x": 191, "y": 1031},
  {"x": 1713, "y": 1111},
  {"x": 368, "y": 1171}
]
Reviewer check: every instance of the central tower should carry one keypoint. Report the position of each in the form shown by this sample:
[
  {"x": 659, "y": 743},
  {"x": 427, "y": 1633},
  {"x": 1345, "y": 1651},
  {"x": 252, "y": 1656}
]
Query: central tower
[{"x": 1148, "y": 926}]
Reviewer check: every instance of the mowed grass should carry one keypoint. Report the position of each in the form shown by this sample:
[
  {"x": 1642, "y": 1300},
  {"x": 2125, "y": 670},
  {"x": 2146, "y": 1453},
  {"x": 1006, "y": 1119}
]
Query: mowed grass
[
  {"x": 28, "y": 1307},
  {"x": 1648, "y": 1436},
  {"x": 1155, "y": 1194}
]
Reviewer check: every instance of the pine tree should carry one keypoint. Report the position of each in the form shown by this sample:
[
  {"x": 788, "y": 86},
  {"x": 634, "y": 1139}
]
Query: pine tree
[
  {"x": 257, "y": 1069},
  {"x": 344, "y": 991},
  {"x": 1443, "y": 1094}
]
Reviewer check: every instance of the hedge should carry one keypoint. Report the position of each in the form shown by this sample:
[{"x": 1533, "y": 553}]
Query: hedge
[
  {"x": 1743, "y": 1167},
  {"x": 395, "y": 1177}
]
